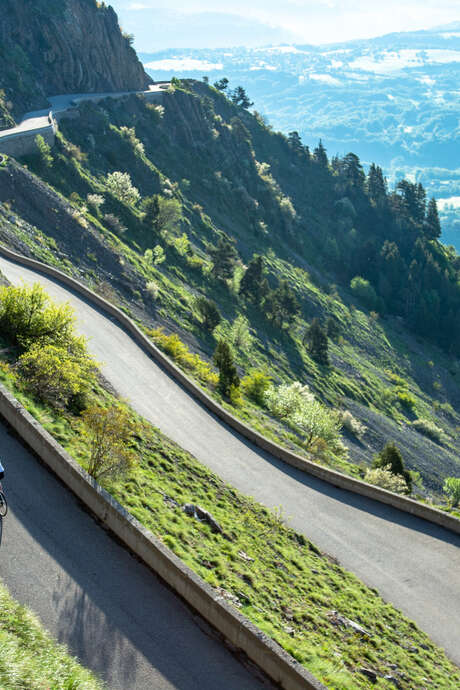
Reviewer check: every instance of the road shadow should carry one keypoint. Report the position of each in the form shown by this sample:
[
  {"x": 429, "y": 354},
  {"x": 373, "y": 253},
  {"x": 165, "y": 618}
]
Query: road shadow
[{"x": 112, "y": 612}]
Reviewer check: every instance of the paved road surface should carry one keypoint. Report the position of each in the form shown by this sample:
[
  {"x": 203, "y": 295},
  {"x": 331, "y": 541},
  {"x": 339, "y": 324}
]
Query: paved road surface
[
  {"x": 413, "y": 564},
  {"x": 37, "y": 119},
  {"x": 112, "y": 612}
]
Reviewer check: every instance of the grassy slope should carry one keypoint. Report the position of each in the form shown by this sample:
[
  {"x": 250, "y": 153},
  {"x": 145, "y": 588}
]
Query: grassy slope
[
  {"x": 368, "y": 352},
  {"x": 30, "y": 659},
  {"x": 276, "y": 577}
]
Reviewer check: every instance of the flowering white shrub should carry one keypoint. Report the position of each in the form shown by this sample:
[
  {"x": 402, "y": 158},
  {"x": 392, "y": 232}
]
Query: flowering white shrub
[
  {"x": 379, "y": 476},
  {"x": 287, "y": 399},
  {"x": 296, "y": 404},
  {"x": 95, "y": 201},
  {"x": 352, "y": 424},
  {"x": 121, "y": 186}
]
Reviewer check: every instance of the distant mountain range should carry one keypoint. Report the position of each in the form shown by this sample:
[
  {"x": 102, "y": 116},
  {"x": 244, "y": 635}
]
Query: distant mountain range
[{"x": 393, "y": 99}]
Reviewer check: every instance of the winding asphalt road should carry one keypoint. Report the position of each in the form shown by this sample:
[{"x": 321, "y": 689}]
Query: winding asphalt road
[
  {"x": 91, "y": 594},
  {"x": 415, "y": 565},
  {"x": 38, "y": 119}
]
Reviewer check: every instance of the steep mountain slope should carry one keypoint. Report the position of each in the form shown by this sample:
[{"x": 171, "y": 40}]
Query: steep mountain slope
[
  {"x": 313, "y": 227},
  {"x": 393, "y": 99},
  {"x": 50, "y": 47}
]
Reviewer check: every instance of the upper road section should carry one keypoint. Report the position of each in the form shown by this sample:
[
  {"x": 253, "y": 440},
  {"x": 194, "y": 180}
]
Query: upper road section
[
  {"x": 413, "y": 563},
  {"x": 39, "y": 119}
]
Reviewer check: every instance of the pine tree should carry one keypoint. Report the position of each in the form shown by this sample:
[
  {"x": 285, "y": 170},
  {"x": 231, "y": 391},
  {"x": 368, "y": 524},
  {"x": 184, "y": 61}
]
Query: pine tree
[
  {"x": 208, "y": 312},
  {"x": 228, "y": 375},
  {"x": 318, "y": 345},
  {"x": 432, "y": 226},
  {"x": 376, "y": 185},
  {"x": 295, "y": 143},
  {"x": 151, "y": 210},
  {"x": 320, "y": 155},
  {"x": 281, "y": 305},
  {"x": 224, "y": 257},
  {"x": 332, "y": 328},
  {"x": 240, "y": 98},
  {"x": 252, "y": 282},
  {"x": 222, "y": 84},
  {"x": 353, "y": 172}
]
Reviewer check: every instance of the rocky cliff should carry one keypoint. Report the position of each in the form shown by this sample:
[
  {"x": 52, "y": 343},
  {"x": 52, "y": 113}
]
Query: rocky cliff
[{"x": 50, "y": 47}]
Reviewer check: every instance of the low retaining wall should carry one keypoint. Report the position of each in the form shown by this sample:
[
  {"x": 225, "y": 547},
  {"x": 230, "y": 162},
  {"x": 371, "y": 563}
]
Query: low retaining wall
[
  {"x": 23, "y": 143},
  {"x": 265, "y": 653},
  {"x": 338, "y": 479}
]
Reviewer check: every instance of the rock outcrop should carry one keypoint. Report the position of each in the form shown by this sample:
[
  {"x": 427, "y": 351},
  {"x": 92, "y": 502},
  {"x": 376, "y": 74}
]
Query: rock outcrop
[{"x": 48, "y": 47}]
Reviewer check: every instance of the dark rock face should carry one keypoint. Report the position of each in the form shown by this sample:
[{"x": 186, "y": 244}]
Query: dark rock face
[{"x": 48, "y": 47}]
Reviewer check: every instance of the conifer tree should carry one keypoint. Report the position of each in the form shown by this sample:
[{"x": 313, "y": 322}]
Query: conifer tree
[
  {"x": 376, "y": 185},
  {"x": 318, "y": 345},
  {"x": 228, "y": 375},
  {"x": 252, "y": 282},
  {"x": 295, "y": 143},
  {"x": 208, "y": 312},
  {"x": 432, "y": 226},
  {"x": 240, "y": 98},
  {"x": 320, "y": 155},
  {"x": 224, "y": 257},
  {"x": 281, "y": 305},
  {"x": 222, "y": 84}
]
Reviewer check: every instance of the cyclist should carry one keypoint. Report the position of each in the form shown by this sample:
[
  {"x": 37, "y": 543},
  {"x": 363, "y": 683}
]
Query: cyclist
[{"x": 3, "y": 503}]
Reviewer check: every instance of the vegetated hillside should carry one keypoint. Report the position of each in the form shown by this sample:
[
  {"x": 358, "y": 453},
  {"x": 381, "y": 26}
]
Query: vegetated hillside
[
  {"x": 49, "y": 47},
  {"x": 363, "y": 260},
  {"x": 392, "y": 99}
]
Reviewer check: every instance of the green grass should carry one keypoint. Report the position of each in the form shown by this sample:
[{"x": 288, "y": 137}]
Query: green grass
[
  {"x": 367, "y": 347},
  {"x": 276, "y": 577},
  {"x": 30, "y": 659}
]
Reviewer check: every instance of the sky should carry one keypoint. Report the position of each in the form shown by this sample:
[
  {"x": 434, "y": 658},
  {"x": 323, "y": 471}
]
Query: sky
[{"x": 161, "y": 24}]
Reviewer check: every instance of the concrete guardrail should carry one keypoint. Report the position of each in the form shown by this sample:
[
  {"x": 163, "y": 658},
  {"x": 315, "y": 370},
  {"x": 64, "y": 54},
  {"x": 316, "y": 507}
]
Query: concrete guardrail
[
  {"x": 234, "y": 627},
  {"x": 333, "y": 477}
]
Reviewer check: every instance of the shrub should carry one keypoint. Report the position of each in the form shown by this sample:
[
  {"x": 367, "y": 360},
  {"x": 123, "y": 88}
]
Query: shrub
[
  {"x": 255, "y": 385},
  {"x": 129, "y": 133},
  {"x": 159, "y": 255},
  {"x": 380, "y": 476},
  {"x": 364, "y": 291},
  {"x": 56, "y": 373},
  {"x": 285, "y": 400},
  {"x": 27, "y": 316},
  {"x": 120, "y": 185},
  {"x": 405, "y": 398},
  {"x": 110, "y": 433},
  {"x": 152, "y": 289},
  {"x": 45, "y": 158},
  {"x": 296, "y": 405},
  {"x": 452, "y": 489},
  {"x": 95, "y": 201},
  {"x": 352, "y": 424},
  {"x": 114, "y": 224},
  {"x": 429, "y": 429},
  {"x": 163, "y": 215},
  {"x": 175, "y": 348},
  {"x": 390, "y": 458},
  {"x": 181, "y": 244}
]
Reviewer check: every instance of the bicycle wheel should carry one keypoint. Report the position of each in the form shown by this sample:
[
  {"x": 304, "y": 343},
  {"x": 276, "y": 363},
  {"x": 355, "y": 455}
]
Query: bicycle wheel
[{"x": 3, "y": 505}]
